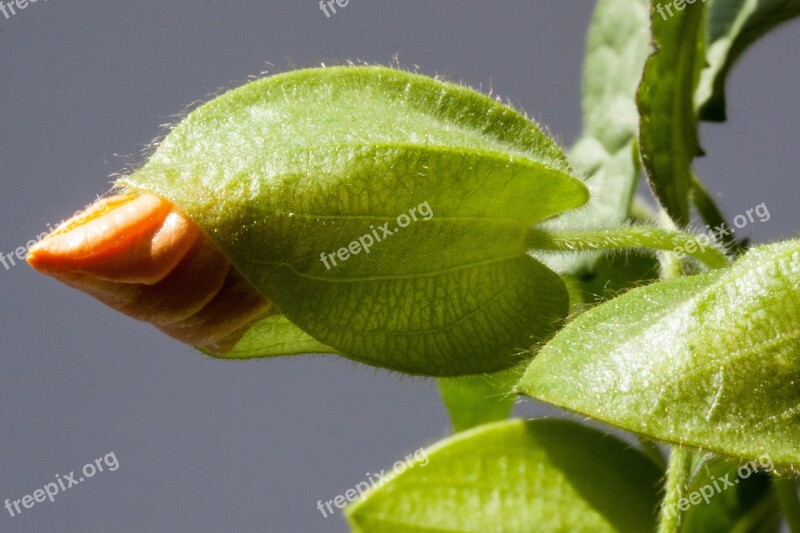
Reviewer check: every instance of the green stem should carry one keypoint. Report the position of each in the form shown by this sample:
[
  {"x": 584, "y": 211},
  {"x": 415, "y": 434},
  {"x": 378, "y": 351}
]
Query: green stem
[
  {"x": 681, "y": 460},
  {"x": 628, "y": 237},
  {"x": 711, "y": 214},
  {"x": 679, "y": 470},
  {"x": 786, "y": 490}
]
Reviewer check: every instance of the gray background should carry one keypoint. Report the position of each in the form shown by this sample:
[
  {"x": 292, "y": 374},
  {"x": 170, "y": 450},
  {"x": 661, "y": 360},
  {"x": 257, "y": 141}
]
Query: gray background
[{"x": 205, "y": 445}]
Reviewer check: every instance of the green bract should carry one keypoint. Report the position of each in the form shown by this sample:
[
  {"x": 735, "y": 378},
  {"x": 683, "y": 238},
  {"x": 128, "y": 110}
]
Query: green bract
[
  {"x": 711, "y": 361},
  {"x": 515, "y": 476},
  {"x": 288, "y": 173}
]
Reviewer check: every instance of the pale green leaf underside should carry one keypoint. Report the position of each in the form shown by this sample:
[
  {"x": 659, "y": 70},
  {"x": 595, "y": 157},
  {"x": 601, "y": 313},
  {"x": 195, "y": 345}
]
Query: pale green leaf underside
[
  {"x": 668, "y": 123},
  {"x": 711, "y": 361},
  {"x": 516, "y": 476},
  {"x": 617, "y": 45},
  {"x": 733, "y": 26},
  {"x": 288, "y": 168}
]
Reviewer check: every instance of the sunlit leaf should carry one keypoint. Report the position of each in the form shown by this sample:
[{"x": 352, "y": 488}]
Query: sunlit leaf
[
  {"x": 515, "y": 476},
  {"x": 711, "y": 361},
  {"x": 286, "y": 172}
]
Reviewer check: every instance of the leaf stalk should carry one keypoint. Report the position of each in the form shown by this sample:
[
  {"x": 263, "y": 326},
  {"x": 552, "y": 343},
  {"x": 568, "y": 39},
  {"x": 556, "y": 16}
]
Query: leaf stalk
[
  {"x": 679, "y": 471},
  {"x": 698, "y": 247}
]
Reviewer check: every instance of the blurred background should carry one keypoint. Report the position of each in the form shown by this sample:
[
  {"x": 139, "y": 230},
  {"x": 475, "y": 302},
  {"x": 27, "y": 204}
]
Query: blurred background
[{"x": 205, "y": 445}]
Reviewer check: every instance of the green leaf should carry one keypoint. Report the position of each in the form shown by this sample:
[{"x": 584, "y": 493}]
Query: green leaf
[
  {"x": 668, "y": 127},
  {"x": 617, "y": 47},
  {"x": 711, "y": 361},
  {"x": 615, "y": 273},
  {"x": 727, "y": 508},
  {"x": 516, "y": 476},
  {"x": 290, "y": 168},
  {"x": 476, "y": 400},
  {"x": 733, "y": 25},
  {"x": 273, "y": 336},
  {"x": 618, "y": 43}
]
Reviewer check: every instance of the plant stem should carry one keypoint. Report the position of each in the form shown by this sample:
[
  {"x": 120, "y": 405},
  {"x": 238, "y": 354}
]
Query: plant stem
[
  {"x": 679, "y": 470},
  {"x": 786, "y": 491},
  {"x": 628, "y": 237},
  {"x": 711, "y": 214}
]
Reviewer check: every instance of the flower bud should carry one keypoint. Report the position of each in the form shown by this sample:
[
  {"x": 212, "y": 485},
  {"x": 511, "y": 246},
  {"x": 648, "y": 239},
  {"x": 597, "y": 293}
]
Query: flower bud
[
  {"x": 146, "y": 259},
  {"x": 383, "y": 213}
]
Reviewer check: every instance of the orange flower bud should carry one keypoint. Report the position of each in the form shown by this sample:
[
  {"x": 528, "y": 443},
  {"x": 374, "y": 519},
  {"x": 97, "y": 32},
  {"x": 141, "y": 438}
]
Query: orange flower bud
[{"x": 143, "y": 257}]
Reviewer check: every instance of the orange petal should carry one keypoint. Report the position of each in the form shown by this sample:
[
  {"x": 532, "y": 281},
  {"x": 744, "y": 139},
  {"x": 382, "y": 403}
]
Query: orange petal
[
  {"x": 221, "y": 323},
  {"x": 144, "y": 258},
  {"x": 131, "y": 239}
]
